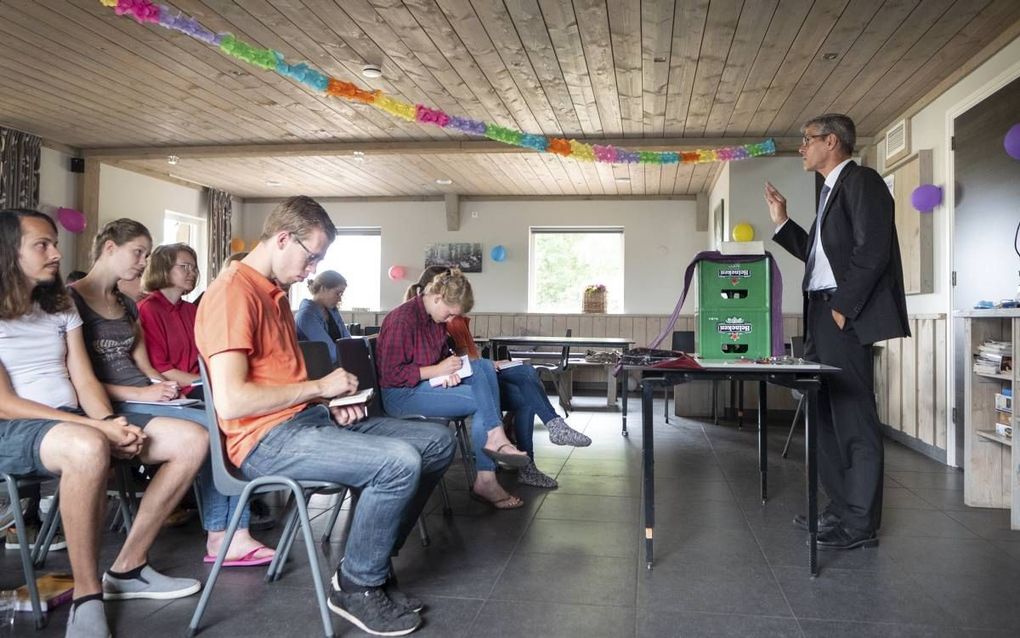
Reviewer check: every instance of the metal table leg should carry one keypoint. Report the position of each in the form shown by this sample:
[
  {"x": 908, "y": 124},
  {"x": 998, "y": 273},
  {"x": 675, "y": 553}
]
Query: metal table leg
[
  {"x": 648, "y": 467},
  {"x": 625, "y": 391},
  {"x": 811, "y": 461},
  {"x": 763, "y": 447}
]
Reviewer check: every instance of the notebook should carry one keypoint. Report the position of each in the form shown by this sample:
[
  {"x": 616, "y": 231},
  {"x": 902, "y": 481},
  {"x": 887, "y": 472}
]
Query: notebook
[
  {"x": 55, "y": 588},
  {"x": 362, "y": 396},
  {"x": 463, "y": 373}
]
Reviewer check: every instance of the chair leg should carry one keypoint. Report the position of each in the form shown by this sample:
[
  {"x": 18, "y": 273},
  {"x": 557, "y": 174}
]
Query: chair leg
[
  {"x": 793, "y": 426},
  {"x": 334, "y": 514},
  {"x": 276, "y": 566},
  {"x": 47, "y": 532},
  {"x": 464, "y": 442},
  {"x": 124, "y": 490},
  {"x": 26, "y": 552},
  {"x": 447, "y": 508},
  {"x": 423, "y": 531},
  {"x": 313, "y": 563}
]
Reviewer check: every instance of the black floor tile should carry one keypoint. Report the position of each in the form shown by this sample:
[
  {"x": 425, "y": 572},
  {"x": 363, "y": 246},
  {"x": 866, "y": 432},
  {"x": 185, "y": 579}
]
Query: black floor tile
[
  {"x": 661, "y": 624},
  {"x": 712, "y": 587},
  {"x": 612, "y": 509},
  {"x": 505, "y": 619},
  {"x": 574, "y": 579},
  {"x": 845, "y": 629},
  {"x": 590, "y": 538}
]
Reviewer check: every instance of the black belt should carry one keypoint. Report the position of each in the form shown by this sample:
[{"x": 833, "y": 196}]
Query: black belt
[{"x": 821, "y": 295}]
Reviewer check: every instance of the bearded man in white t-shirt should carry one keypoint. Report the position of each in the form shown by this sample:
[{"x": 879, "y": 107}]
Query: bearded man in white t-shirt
[{"x": 56, "y": 420}]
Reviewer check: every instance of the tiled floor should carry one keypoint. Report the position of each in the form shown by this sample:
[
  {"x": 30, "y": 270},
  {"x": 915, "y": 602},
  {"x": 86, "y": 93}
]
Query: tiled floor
[{"x": 570, "y": 564}]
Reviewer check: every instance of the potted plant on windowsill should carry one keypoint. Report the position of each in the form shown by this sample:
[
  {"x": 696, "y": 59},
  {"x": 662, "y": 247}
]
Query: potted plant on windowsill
[{"x": 594, "y": 300}]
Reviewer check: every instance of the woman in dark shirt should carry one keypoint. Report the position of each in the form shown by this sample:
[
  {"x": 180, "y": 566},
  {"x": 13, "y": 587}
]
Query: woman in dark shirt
[{"x": 318, "y": 318}]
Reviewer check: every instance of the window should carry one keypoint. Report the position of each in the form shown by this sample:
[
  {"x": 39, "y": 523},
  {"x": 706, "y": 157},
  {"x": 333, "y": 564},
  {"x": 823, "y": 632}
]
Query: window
[
  {"x": 190, "y": 230},
  {"x": 564, "y": 261},
  {"x": 357, "y": 255}
]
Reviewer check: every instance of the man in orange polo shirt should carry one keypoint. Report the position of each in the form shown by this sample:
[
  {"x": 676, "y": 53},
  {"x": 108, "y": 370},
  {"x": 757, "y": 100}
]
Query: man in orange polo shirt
[{"x": 277, "y": 422}]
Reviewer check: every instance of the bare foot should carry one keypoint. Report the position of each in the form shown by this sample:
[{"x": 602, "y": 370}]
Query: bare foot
[
  {"x": 241, "y": 545},
  {"x": 488, "y": 489}
]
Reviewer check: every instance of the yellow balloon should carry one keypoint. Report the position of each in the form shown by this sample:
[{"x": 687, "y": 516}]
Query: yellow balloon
[
  {"x": 236, "y": 245},
  {"x": 743, "y": 232}
]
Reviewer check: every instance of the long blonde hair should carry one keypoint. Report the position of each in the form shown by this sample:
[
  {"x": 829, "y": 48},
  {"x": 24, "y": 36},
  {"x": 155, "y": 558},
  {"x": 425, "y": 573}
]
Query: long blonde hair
[{"x": 424, "y": 280}]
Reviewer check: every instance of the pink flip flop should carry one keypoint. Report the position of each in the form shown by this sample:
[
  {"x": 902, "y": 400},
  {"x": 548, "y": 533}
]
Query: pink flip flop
[{"x": 248, "y": 560}]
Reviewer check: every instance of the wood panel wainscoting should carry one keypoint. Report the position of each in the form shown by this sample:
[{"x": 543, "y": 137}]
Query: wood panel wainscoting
[{"x": 910, "y": 386}]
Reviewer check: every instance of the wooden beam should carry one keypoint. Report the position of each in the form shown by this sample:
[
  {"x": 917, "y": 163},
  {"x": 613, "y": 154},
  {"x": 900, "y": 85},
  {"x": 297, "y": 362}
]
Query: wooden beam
[
  {"x": 90, "y": 208},
  {"x": 166, "y": 177},
  {"x": 452, "y": 211},
  {"x": 323, "y": 149}
]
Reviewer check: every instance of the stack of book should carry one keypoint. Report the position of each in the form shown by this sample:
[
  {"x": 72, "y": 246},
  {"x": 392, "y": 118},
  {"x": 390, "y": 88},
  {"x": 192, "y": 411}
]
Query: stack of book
[
  {"x": 994, "y": 357},
  {"x": 1004, "y": 413}
]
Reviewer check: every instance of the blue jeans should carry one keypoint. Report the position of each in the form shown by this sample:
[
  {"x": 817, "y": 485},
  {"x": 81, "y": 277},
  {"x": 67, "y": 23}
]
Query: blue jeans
[
  {"x": 477, "y": 396},
  {"x": 522, "y": 391},
  {"x": 216, "y": 508},
  {"x": 393, "y": 465}
]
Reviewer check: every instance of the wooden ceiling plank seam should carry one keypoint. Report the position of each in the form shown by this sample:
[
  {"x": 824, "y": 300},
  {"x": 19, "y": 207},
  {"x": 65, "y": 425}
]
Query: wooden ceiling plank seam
[
  {"x": 483, "y": 70},
  {"x": 57, "y": 125},
  {"x": 637, "y": 179},
  {"x": 435, "y": 167},
  {"x": 754, "y": 22},
  {"x": 77, "y": 76},
  {"x": 572, "y": 169},
  {"x": 948, "y": 24},
  {"x": 682, "y": 184},
  {"x": 625, "y": 34},
  {"x": 549, "y": 185},
  {"x": 155, "y": 82},
  {"x": 541, "y": 55},
  {"x": 593, "y": 26},
  {"x": 976, "y": 34},
  {"x": 501, "y": 172},
  {"x": 699, "y": 177},
  {"x": 172, "y": 55},
  {"x": 297, "y": 25},
  {"x": 506, "y": 39},
  {"x": 667, "y": 178},
  {"x": 329, "y": 173},
  {"x": 656, "y": 39},
  {"x": 608, "y": 178},
  {"x": 467, "y": 179},
  {"x": 723, "y": 19},
  {"x": 859, "y": 56},
  {"x": 784, "y": 27},
  {"x": 592, "y": 178},
  {"x": 689, "y": 25},
  {"x": 847, "y": 31},
  {"x": 247, "y": 27},
  {"x": 816, "y": 27},
  {"x": 561, "y": 25},
  {"x": 564, "y": 178}
]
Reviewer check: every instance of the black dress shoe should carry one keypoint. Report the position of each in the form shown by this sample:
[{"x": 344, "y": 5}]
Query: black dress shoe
[
  {"x": 839, "y": 537},
  {"x": 826, "y": 520}
]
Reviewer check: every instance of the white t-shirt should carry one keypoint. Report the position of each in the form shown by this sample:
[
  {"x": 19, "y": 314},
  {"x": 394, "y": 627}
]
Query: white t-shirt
[{"x": 33, "y": 349}]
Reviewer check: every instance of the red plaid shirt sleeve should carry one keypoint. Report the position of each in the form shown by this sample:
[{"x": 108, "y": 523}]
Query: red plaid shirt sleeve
[{"x": 407, "y": 343}]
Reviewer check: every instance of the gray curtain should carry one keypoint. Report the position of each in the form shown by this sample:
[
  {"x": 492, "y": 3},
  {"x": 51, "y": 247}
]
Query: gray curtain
[
  {"x": 19, "y": 169},
  {"x": 220, "y": 210}
]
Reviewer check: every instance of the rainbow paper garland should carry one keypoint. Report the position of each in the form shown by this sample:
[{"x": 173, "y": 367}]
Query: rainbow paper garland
[{"x": 144, "y": 11}]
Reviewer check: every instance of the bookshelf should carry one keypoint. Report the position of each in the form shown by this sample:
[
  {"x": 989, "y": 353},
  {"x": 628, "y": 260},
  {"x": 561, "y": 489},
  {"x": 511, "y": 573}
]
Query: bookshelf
[{"x": 991, "y": 461}]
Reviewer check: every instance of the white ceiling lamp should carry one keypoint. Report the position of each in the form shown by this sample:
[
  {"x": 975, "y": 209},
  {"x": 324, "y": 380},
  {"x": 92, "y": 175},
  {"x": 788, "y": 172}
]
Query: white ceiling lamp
[
  {"x": 172, "y": 160},
  {"x": 359, "y": 156},
  {"x": 273, "y": 183},
  {"x": 443, "y": 181},
  {"x": 371, "y": 71}
]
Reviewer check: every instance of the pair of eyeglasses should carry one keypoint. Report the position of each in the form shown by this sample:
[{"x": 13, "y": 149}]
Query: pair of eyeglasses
[
  {"x": 805, "y": 140},
  {"x": 187, "y": 267},
  {"x": 310, "y": 257}
]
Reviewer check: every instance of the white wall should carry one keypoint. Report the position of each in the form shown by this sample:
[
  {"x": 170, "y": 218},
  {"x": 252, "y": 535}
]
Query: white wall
[
  {"x": 58, "y": 188},
  {"x": 928, "y": 131},
  {"x": 145, "y": 199},
  {"x": 747, "y": 204},
  {"x": 660, "y": 239}
]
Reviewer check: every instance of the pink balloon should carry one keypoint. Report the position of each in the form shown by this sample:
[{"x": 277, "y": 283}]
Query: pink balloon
[
  {"x": 72, "y": 220},
  {"x": 396, "y": 272}
]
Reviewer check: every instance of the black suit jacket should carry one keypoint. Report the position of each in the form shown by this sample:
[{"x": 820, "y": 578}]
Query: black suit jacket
[{"x": 859, "y": 238}]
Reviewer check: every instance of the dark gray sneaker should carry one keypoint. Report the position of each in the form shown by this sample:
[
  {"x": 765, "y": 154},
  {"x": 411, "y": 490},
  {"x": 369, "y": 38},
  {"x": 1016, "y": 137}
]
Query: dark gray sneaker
[
  {"x": 372, "y": 611},
  {"x": 404, "y": 602}
]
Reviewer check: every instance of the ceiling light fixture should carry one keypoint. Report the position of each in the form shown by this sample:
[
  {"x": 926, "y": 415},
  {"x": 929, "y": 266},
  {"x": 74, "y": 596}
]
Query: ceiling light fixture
[
  {"x": 273, "y": 183},
  {"x": 622, "y": 179},
  {"x": 371, "y": 71},
  {"x": 659, "y": 59},
  {"x": 830, "y": 56},
  {"x": 443, "y": 181},
  {"x": 359, "y": 156},
  {"x": 172, "y": 160}
]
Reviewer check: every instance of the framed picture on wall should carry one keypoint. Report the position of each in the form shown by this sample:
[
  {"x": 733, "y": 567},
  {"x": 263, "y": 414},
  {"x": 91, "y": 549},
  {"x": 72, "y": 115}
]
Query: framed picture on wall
[{"x": 463, "y": 255}]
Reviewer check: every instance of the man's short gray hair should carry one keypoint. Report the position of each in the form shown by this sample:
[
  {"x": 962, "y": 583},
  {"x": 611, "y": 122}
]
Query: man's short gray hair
[{"x": 837, "y": 124}]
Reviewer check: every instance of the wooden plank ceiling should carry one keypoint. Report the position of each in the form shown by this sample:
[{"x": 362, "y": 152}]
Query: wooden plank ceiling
[{"x": 656, "y": 72}]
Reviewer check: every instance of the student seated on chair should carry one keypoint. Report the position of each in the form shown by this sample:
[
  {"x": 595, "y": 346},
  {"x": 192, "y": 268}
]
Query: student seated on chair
[
  {"x": 276, "y": 421},
  {"x": 56, "y": 420},
  {"x": 117, "y": 343},
  {"x": 411, "y": 351},
  {"x": 318, "y": 318},
  {"x": 521, "y": 391}
]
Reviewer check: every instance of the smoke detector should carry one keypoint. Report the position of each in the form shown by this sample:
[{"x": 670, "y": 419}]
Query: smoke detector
[{"x": 371, "y": 71}]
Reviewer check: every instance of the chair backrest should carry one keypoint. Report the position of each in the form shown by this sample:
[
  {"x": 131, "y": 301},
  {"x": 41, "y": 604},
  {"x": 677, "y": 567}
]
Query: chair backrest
[
  {"x": 355, "y": 329},
  {"x": 683, "y": 340},
  {"x": 371, "y": 330},
  {"x": 797, "y": 346},
  {"x": 355, "y": 355},
  {"x": 226, "y": 477},
  {"x": 317, "y": 361}
]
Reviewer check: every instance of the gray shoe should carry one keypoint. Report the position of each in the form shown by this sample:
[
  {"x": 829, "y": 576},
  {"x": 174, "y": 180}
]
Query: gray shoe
[
  {"x": 149, "y": 584},
  {"x": 562, "y": 434},
  {"x": 7, "y": 513},
  {"x": 87, "y": 620},
  {"x": 533, "y": 476}
]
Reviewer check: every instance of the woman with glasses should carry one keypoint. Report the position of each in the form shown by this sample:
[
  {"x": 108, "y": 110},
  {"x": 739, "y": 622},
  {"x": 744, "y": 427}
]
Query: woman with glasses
[
  {"x": 116, "y": 339},
  {"x": 318, "y": 318}
]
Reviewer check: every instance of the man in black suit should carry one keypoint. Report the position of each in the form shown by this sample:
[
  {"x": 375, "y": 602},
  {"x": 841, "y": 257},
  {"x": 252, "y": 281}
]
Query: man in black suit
[{"x": 853, "y": 297}]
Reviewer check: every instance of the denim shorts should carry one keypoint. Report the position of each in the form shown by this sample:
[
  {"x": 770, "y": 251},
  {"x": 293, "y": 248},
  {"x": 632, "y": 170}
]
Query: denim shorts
[{"x": 21, "y": 439}]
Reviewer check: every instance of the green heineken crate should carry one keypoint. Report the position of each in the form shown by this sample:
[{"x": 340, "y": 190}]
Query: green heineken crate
[
  {"x": 736, "y": 285},
  {"x": 732, "y": 334}
]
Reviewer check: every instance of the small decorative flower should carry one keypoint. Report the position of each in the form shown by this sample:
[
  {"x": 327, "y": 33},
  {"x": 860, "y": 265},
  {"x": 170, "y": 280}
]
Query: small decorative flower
[{"x": 593, "y": 288}]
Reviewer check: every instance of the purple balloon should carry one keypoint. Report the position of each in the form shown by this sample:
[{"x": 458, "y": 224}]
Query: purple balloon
[
  {"x": 926, "y": 197},
  {"x": 1012, "y": 142}
]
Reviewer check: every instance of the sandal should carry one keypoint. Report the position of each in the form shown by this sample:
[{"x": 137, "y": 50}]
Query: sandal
[
  {"x": 509, "y": 460},
  {"x": 251, "y": 559},
  {"x": 511, "y": 502}
]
